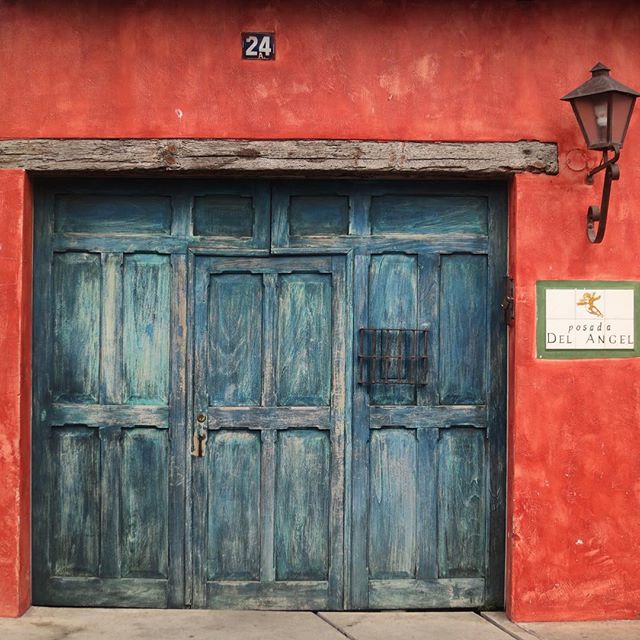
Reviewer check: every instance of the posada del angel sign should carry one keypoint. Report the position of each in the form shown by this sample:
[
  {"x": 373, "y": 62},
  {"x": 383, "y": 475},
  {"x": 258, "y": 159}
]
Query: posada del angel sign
[{"x": 587, "y": 319}]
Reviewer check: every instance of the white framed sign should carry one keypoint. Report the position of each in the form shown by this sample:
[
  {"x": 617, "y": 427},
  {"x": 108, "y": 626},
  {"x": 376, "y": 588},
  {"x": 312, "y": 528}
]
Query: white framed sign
[{"x": 587, "y": 319}]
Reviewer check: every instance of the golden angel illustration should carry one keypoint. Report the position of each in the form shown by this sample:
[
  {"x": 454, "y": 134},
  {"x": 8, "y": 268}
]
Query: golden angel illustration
[{"x": 588, "y": 300}]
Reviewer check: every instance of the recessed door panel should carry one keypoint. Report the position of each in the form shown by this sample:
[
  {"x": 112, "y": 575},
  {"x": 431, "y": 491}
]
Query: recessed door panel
[
  {"x": 233, "y": 514},
  {"x": 235, "y": 339},
  {"x": 304, "y": 340},
  {"x": 76, "y": 326},
  {"x": 302, "y": 501},
  {"x": 76, "y": 523},
  {"x": 145, "y": 503},
  {"x": 146, "y": 319},
  {"x": 393, "y": 504}
]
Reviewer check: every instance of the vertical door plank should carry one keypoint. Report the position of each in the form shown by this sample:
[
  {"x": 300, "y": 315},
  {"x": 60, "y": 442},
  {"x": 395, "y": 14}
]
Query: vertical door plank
[
  {"x": 76, "y": 346},
  {"x": 393, "y": 507},
  {"x": 233, "y": 463},
  {"x": 497, "y": 398},
  {"x": 427, "y": 510},
  {"x": 428, "y": 318},
  {"x": 110, "y": 393},
  {"x": 302, "y": 505},
  {"x": 110, "y": 494},
  {"x": 262, "y": 215},
  {"x": 267, "y": 505},
  {"x": 359, "y": 594},
  {"x": 197, "y": 510},
  {"x": 181, "y": 204},
  {"x": 42, "y": 444},
  {"x": 463, "y": 329},
  {"x": 178, "y": 434},
  {"x": 340, "y": 380},
  {"x": 280, "y": 218},
  {"x": 462, "y": 503},
  {"x": 269, "y": 324},
  {"x": 111, "y": 329},
  {"x": 359, "y": 223}
]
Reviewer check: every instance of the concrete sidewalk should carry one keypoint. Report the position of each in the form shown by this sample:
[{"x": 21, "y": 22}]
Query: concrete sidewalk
[{"x": 42, "y": 623}]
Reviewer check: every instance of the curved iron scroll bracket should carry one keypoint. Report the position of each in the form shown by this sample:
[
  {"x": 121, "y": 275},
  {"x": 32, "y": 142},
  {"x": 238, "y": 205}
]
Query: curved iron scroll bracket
[{"x": 598, "y": 215}]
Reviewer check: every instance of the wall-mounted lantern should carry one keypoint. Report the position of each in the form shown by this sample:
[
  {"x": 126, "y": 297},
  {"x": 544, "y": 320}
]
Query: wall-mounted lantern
[{"x": 603, "y": 108}]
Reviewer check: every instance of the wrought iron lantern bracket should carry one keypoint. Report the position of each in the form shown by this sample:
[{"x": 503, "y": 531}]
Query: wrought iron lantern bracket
[{"x": 597, "y": 216}]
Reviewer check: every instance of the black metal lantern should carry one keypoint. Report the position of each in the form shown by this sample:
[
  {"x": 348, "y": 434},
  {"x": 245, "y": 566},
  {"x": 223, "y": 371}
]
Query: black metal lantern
[{"x": 603, "y": 108}]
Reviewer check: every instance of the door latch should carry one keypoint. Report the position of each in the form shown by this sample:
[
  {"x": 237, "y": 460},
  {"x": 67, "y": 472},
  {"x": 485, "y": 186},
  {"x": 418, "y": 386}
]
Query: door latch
[{"x": 199, "y": 443}]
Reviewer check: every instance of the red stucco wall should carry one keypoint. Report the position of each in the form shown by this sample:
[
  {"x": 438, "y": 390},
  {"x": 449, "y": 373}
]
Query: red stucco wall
[
  {"x": 15, "y": 391},
  {"x": 574, "y": 473},
  {"x": 461, "y": 70}
]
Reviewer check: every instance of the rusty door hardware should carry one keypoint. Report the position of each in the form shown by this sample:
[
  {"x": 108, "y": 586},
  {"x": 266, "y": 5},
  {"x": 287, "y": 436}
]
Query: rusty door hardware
[
  {"x": 508, "y": 302},
  {"x": 199, "y": 443}
]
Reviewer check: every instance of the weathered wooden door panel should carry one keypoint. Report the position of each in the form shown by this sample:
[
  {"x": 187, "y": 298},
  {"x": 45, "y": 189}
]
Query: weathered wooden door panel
[
  {"x": 109, "y": 339},
  {"x": 269, "y": 382},
  {"x": 107, "y": 431},
  {"x": 415, "y": 484},
  {"x": 426, "y": 483}
]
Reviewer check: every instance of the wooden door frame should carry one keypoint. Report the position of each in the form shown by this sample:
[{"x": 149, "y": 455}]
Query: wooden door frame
[{"x": 292, "y": 158}]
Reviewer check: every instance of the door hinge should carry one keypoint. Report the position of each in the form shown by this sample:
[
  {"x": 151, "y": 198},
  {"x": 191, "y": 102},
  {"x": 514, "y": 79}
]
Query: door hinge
[{"x": 508, "y": 301}]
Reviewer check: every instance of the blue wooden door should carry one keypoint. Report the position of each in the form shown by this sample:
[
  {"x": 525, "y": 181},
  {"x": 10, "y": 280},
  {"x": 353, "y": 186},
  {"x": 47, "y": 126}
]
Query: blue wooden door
[
  {"x": 269, "y": 402},
  {"x": 205, "y": 431}
]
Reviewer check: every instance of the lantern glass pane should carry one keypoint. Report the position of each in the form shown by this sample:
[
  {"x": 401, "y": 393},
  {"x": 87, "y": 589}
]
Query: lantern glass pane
[
  {"x": 621, "y": 108},
  {"x": 593, "y": 113}
]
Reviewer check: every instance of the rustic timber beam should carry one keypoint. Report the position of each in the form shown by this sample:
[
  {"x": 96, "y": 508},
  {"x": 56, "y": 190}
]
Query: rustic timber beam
[{"x": 282, "y": 157}]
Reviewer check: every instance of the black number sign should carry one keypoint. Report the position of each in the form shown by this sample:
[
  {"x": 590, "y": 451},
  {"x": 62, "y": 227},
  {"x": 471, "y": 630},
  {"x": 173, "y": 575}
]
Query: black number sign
[{"x": 259, "y": 46}]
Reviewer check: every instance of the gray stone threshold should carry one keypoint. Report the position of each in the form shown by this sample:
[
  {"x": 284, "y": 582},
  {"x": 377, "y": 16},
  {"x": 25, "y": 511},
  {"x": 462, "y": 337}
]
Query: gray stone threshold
[{"x": 48, "y": 623}]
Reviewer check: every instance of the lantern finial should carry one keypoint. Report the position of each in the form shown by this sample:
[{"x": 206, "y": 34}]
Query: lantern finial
[{"x": 600, "y": 69}]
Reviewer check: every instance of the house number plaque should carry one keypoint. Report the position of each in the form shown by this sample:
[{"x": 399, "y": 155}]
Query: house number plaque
[
  {"x": 259, "y": 45},
  {"x": 588, "y": 319}
]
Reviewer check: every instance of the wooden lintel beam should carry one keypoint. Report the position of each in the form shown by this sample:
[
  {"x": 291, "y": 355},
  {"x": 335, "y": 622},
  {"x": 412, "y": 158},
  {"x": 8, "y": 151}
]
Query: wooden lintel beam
[{"x": 279, "y": 157}]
